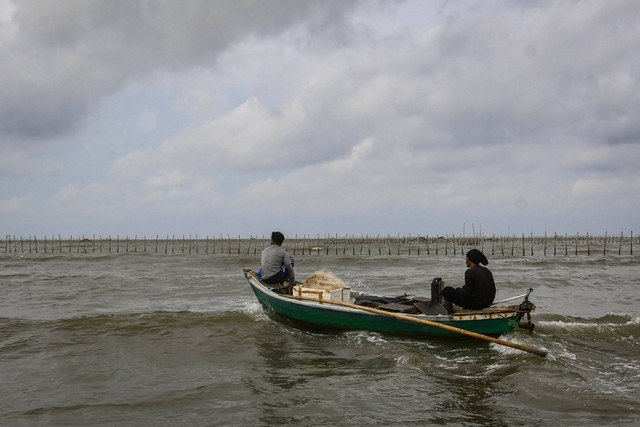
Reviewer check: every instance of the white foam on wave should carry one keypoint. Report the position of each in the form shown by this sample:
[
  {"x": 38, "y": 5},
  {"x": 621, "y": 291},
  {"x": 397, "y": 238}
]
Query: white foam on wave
[
  {"x": 574, "y": 326},
  {"x": 255, "y": 311},
  {"x": 588, "y": 326},
  {"x": 403, "y": 361},
  {"x": 359, "y": 338},
  {"x": 510, "y": 351}
]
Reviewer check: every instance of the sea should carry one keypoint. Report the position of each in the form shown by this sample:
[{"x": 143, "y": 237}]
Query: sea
[{"x": 135, "y": 339}]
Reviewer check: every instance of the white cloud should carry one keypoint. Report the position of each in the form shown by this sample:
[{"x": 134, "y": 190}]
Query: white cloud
[
  {"x": 66, "y": 55},
  {"x": 148, "y": 122},
  {"x": 388, "y": 115},
  {"x": 16, "y": 204}
]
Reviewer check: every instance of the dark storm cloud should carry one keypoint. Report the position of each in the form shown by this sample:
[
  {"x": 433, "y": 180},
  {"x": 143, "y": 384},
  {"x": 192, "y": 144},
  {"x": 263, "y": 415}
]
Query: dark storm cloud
[{"x": 63, "y": 57}]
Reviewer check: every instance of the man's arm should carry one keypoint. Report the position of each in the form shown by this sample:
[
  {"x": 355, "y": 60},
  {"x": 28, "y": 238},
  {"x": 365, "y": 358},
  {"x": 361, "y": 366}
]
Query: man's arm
[{"x": 289, "y": 267}]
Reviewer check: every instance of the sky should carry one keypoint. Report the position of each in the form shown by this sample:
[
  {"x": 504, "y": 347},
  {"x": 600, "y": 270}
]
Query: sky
[{"x": 240, "y": 117}]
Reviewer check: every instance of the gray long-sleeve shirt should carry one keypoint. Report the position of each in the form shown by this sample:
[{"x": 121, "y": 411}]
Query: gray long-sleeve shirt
[{"x": 273, "y": 257}]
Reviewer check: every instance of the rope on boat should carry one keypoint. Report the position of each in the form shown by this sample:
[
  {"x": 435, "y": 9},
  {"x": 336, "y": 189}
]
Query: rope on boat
[{"x": 525, "y": 296}]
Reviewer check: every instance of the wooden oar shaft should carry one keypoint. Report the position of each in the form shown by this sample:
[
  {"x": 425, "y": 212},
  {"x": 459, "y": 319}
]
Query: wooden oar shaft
[{"x": 427, "y": 322}]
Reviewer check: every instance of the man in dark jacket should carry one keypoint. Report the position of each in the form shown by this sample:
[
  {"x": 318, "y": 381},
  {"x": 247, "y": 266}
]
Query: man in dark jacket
[{"x": 479, "y": 289}]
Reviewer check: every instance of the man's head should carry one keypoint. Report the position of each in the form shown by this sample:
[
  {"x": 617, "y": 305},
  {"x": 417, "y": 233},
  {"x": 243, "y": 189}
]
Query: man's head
[
  {"x": 277, "y": 238},
  {"x": 476, "y": 257}
]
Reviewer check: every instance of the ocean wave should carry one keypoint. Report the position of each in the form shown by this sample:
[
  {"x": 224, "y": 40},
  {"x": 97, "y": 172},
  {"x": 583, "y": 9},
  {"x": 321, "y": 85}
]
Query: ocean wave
[
  {"x": 613, "y": 327},
  {"x": 128, "y": 323}
]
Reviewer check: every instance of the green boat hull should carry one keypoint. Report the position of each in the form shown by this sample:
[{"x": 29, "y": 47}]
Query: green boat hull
[{"x": 331, "y": 316}]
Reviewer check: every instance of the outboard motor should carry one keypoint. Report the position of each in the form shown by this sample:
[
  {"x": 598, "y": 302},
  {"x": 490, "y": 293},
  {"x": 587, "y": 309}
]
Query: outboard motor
[
  {"x": 436, "y": 290},
  {"x": 434, "y": 307}
]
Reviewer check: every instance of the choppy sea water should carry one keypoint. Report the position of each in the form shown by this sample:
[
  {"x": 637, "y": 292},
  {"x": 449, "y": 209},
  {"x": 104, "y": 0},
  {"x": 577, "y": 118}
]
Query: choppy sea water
[{"x": 156, "y": 339}]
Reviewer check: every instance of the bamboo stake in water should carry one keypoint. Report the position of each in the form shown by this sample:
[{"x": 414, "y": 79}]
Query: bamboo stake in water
[
  {"x": 620, "y": 247},
  {"x": 532, "y": 243}
]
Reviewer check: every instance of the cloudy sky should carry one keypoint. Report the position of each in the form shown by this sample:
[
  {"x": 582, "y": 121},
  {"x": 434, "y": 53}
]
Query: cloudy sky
[{"x": 351, "y": 117}]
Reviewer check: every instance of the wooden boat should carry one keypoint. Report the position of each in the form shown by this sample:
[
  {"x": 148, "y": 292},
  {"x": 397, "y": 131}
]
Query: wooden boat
[{"x": 398, "y": 318}]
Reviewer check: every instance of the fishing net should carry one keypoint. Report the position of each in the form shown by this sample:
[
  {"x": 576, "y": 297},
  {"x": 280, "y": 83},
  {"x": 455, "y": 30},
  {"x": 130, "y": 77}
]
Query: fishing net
[{"x": 324, "y": 280}]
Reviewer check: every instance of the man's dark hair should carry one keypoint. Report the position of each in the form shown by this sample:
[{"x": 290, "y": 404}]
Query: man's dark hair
[{"x": 277, "y": 237}]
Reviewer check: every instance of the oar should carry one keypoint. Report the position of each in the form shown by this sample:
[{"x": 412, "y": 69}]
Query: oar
[{"x": 426, "y": 322}]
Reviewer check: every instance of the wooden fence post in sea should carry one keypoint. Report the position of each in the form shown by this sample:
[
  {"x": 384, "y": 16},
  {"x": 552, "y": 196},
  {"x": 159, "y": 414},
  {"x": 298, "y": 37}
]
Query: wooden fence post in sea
[
  {"x": 363, "y": 245},
  {"x": 620, "y": 246},
  {"x": 532, "y": 241}
]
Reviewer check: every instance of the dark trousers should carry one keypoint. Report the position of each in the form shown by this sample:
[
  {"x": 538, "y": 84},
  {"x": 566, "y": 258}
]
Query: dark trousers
[
  {"x": 276, "y": 278},
  {"x": 455, "y": 296}
]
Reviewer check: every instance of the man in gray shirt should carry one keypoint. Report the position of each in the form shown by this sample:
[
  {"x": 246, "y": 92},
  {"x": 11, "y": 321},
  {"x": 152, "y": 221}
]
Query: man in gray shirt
[{"x": 277, "y": 265}]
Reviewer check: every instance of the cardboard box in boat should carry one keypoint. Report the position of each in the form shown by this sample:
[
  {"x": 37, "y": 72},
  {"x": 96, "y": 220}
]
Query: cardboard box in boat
[{"x": 342, "y": 294}]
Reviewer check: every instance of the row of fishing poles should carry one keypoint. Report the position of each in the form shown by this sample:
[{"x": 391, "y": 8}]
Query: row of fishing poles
[{"x": 331, "y": 245}]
